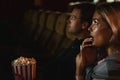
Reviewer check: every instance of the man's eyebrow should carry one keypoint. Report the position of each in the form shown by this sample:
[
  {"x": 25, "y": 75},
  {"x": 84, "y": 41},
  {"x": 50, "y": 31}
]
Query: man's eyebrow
[{"x": 71, "y": 14}]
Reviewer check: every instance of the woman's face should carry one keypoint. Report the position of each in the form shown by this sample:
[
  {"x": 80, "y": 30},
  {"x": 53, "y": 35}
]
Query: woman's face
[{"x": 100, "y": 31}]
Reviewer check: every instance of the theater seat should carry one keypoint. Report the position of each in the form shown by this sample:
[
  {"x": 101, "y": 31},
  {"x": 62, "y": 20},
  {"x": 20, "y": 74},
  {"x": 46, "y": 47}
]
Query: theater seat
[{"x": 50, "y": 29}]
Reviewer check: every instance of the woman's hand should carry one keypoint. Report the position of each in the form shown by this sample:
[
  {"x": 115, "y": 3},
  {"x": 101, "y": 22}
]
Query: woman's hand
[
  {"x": 86, "y": 57},
  {"x": 89, "y": 51},
  {"x": 80, "y": 65}
]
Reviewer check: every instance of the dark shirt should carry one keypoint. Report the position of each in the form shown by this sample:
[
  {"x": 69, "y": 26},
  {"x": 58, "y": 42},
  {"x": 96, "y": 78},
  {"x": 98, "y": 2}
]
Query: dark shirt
[
  {"x": 66, "y": 64},
  {"x": 64, "y": 67}
]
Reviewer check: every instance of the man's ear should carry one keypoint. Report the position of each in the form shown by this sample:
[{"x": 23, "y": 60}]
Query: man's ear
[{"x": 85, "y": 25}]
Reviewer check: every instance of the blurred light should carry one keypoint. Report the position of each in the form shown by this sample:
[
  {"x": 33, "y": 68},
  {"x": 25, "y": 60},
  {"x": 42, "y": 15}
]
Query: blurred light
[
  {"x": 110, "y": 0},
  {"x": 74, "y": 3},
  {"x": 95, "y": 1},
  {"x": 117, "y": 0}
]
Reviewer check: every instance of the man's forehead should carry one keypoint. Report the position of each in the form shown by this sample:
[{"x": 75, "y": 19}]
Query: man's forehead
[{"x": 76, "y": 12}]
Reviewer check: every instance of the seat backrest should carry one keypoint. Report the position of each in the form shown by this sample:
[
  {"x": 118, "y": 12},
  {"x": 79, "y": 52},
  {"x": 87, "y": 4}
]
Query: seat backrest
[
  {"x": 58, "y": 36},
  {"x": 61, "y": 24},
  {"x": 50, "y": 29},
  {"x": 41, "y": 25},
  {"x": 62, "y": 21},
  {"x": 29, "y": 25}
]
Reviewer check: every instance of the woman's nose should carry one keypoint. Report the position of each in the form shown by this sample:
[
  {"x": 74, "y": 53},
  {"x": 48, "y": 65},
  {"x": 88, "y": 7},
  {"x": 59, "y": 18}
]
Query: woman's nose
[{"x": 90, "y": 28}]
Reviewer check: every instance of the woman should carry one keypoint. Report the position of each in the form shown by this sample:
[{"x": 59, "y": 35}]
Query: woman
[{"x": 105, "y": 32}]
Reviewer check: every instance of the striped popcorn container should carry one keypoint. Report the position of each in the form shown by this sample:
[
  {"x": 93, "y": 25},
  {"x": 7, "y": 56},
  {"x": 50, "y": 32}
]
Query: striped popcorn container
[{"x": 24, "y": 68}]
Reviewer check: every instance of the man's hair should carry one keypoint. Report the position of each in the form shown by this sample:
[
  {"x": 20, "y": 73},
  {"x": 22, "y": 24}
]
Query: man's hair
[{"x": 87, "y": 11}]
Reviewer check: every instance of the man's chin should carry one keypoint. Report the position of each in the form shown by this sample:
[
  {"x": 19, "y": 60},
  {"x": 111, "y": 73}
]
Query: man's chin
[
  {"x": 70, "y": 32},
  {"x": 73, "y": 33}
]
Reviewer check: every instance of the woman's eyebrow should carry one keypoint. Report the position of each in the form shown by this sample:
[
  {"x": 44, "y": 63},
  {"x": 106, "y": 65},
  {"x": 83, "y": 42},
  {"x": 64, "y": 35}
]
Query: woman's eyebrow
[{"x": 95, "y": 19}]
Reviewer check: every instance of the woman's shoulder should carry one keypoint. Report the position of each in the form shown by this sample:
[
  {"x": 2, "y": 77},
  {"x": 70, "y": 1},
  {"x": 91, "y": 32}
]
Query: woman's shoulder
[
  {"x": 108, "y": 67},
  {"x": 110, "y": 61}
]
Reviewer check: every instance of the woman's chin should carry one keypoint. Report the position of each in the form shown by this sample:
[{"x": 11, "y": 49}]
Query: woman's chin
[{"x": 93, "y": 43}]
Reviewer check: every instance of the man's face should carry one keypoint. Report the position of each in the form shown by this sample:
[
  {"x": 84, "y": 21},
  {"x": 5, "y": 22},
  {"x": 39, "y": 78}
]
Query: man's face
[{"x": 74, "y": 23}]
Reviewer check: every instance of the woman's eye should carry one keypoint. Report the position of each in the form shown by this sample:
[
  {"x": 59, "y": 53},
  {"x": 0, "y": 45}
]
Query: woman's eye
[{"x": 95, "y": 22}]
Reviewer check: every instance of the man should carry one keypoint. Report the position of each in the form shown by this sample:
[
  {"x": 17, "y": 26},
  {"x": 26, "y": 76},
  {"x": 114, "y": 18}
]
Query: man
[{"x": 78, "y": 23}]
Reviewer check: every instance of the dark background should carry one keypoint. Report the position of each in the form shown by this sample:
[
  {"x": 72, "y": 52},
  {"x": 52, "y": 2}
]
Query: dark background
[{"x": 13, "y": 9}]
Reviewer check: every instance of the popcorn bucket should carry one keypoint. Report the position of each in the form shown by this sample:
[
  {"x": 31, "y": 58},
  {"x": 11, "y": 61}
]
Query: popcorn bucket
[{"x": 24, "y": 71}]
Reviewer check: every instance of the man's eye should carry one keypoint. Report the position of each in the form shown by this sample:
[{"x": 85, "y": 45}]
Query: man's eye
[{"x": 72, "y": 17}]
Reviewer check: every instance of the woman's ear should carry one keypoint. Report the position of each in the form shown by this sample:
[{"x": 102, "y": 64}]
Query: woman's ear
[{"x": 85, "y": 25}]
